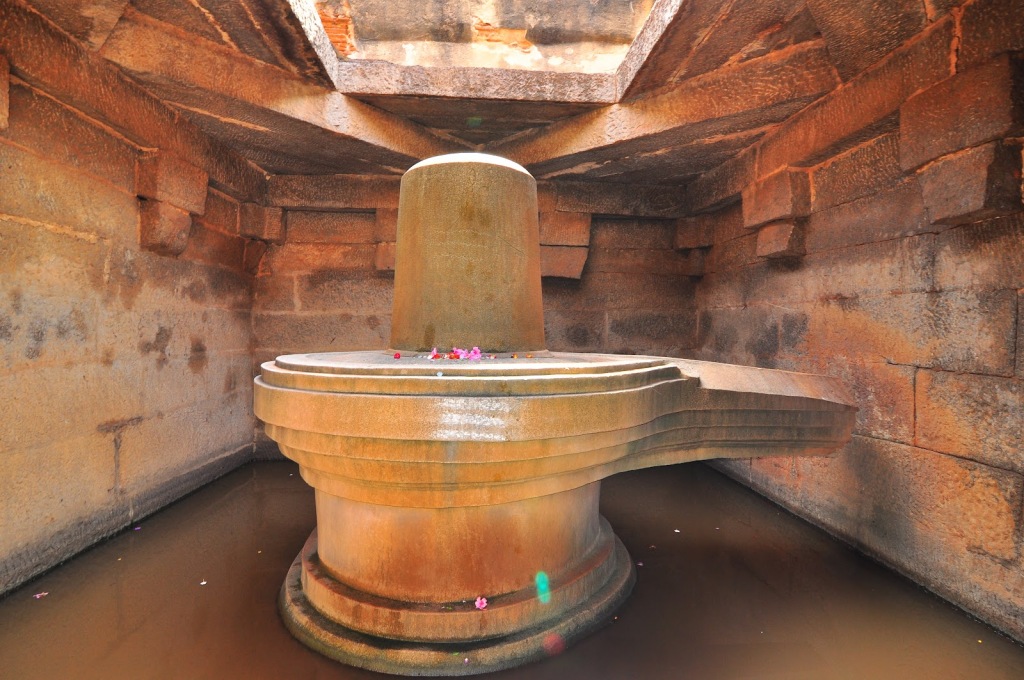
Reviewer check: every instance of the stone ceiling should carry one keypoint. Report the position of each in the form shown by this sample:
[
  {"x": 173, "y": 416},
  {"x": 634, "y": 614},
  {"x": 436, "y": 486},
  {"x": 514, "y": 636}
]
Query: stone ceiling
[{"x": 299, "y": 88}]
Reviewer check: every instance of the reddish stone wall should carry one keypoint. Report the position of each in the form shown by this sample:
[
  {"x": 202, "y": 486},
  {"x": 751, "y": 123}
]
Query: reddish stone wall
[
  {"x": 878, "y": 236},
  {"x": 125, "y": 370},
  {"x": 611, "y": 284}
]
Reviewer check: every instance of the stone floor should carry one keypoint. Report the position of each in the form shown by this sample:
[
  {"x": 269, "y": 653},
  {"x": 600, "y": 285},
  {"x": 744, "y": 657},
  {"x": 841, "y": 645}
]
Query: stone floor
[{"x": 729, "y": 586}]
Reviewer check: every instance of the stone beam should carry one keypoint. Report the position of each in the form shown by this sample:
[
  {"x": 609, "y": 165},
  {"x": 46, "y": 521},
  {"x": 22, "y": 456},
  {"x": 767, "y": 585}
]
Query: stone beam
[
  {"x": 201, "y": 74},
  {"x": 384, "y": 78},
  {"x": 269, "y": 30},
  {"x": 726, "y": 101},
  {"x": 44, "y": 56},
  {"x": 672, "y": 165},
  {"x": 664, "y": 36},
  {"x": 685, "y": 39},
  {"x": 88, "y": 21}
]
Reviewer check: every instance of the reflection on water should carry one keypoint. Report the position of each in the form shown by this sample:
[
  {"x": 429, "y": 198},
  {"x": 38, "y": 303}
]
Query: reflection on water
[{"x": 742, "y": 590}]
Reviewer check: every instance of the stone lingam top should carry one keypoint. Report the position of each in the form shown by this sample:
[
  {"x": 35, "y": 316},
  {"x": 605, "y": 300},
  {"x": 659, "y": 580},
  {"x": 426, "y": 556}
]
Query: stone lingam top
[
  {"x": 458, "y": 529},
  {"x": 467, "y": 263}
]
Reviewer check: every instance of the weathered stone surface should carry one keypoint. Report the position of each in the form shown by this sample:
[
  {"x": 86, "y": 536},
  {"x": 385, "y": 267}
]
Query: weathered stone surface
[
  {"x": 646, "y": 261},
  {"x": 214, "y": 247},
  {"x": 310, "y": 257},
  {"x": 713, "y": 104},
  {"x": 266, "y": 31},
  {"x": 43, "y": 56},
  {"x": 968, "y": 109},
  {"x": 783, "y": 239},
  {"x": 331, "y": 227},
  {"x": 667, "y": 37},
  {"x": 384, "y": 257},
  {"x": 859, "y": 34},
  {"x": 479, "y": 121},
  {"x": 339, "y": 192},
  {"x": 651, "y": 333},
  {"x": 261, "y": 222},
  {"x": 346, "y": 291},
  {"x": 964, "y": 331},
  {"x": 746, "y": 32},
  {"x": 326, "y": 119},
  {"x": 781, "y": 196},
  {"x": 163, "y": 228},
  {"x": 367, "y": 78},
  {"x": 253, "y": 256},
  {"x": 988, "y": 28},
  {"x": 51, "y": 193},
  {"x": 1020, "y": 335},
  {"x": 893, "y": 213},
  {"x": 695, "y": 232},
  {"x": 5, "y": 93},
  {"x": 722, "y": 185},
  {"x": 607, "y": 290},
  {"x": 387, "y": 224},
  {"x": 81, "y": 508},
  {"x": 949, "y": 523},
  {"x": 40, "y": 123},
  {"x": 627, "y": 233},
  {"x": 971, "y": 416},
  {"x": 275, "y": 293},
  {"x": 734, "y": 253},
  {"x": 617, "y": 199},
  {"x": 853, "y": 112},
  {"x": 50, "y": 320},
  {"x": 89, "y": 21},
  {"x": 862, "y": 171},
  {"x": 984, "y": 256},
  {"x": 564, "y": 228},
  {"x": 884, "y": 392},
  {"x": 163, "y": 177},
  {"x": 574, "y": 331},
  {"x": 286, "y": 333},
  {"x": 739, "y": 335},
  {"x": 981, "y": 182},
  {"x": 221, "y": 213},
  {"x": 563, "y": 261},
  {"x": 866, "y": 270},
  {"x": 669, "y": 165},
  {"x": 175, "y": 434}
]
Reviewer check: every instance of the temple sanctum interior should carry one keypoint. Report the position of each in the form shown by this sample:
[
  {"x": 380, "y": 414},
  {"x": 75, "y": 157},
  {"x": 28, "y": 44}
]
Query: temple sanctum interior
[{"x": 582, "y": 339}]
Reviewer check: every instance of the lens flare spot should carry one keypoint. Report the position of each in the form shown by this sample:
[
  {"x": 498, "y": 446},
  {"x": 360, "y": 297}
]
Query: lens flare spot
[
  {"x": 554, "y": 644},
  {"x": 543, "y": 587}
]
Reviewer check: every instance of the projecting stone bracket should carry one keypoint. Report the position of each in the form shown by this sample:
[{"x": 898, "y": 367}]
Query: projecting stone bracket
[
  {"x": 170, "y": 191},
  {"x": 163, "y": 228},
  {"x": 262, "y": 223},
  {"x": 975, "y": 184},
  {"x": 782, "y": 239},
  {"x": 161, "y": 176},
  {"x": 564, "y": 243},
  {"x": 783, "y": 195}
]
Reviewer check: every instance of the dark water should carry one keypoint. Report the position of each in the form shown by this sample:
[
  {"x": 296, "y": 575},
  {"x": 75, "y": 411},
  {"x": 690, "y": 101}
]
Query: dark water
[{"x": 743, "y": 590}]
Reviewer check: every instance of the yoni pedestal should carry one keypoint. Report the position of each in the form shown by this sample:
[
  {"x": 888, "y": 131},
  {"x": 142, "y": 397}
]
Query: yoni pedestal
[{"x": 444, "y": 482}]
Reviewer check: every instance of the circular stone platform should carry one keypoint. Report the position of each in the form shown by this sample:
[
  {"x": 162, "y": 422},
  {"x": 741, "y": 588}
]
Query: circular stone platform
[{"x": 439, "y": 481}]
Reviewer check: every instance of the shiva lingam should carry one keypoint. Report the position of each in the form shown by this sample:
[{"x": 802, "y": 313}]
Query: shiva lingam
[{"x": 458, "y": 529}]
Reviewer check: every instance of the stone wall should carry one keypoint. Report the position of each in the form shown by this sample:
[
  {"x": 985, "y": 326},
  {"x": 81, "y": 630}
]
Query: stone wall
[
  {"x": 878, "y": 236},
  {"x": 611, "y": 283},
  {"x": 124, "y": 308}
]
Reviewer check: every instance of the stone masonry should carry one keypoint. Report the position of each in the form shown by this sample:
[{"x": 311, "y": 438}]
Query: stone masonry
[{"x": 829, "y": 187}]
